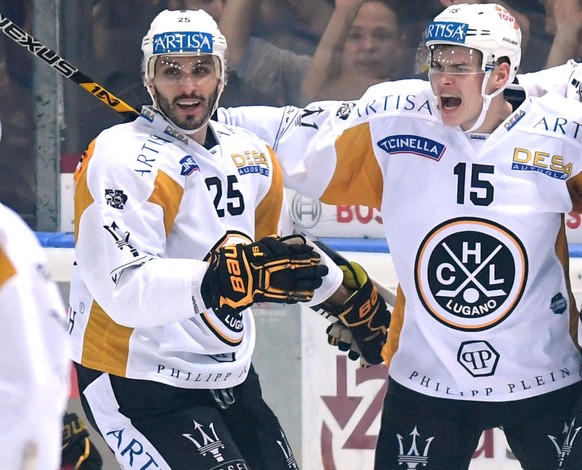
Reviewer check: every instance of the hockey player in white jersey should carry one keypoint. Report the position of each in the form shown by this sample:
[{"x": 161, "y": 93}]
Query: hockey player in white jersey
[
  {"x": 472, "y": 189},
  {"x": 175, "y": 237},
  {"x": 565, "y": 80},
  {"x": 34, "y": 364}
]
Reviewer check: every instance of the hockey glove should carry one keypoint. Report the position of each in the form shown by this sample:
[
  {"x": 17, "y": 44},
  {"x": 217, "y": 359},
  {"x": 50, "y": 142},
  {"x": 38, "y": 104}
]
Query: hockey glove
[
  {"x": 78, "y": 452},
  {"x": 365, "y": 312},
  {"x": 281, "y": 270},
  {"x": 340, "y": 335}
]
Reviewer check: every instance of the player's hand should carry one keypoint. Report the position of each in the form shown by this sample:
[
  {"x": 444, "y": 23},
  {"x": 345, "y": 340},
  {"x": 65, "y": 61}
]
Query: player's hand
[
  {"x": 341, "y": 336},
  {"x": 365, "y": 312},
  {"x": 281, "y": 270}
]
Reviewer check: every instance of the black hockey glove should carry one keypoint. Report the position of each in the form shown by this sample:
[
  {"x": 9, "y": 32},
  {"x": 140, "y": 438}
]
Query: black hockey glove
[
  {"x": 78, "y": 452},
  {"x": 281, "y": 270},
  {"x": 365, "y": 313}
]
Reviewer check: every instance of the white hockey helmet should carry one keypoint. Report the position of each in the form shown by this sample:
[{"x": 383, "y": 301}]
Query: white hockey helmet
[
  {"x": 183, "y": 32},
  {"x": 488, "y": 28}
]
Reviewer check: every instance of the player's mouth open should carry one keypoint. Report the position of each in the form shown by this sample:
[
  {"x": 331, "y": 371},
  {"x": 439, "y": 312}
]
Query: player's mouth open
[
  {"x": 450, "y": 102},
  {"x": 188, "y": 104}
]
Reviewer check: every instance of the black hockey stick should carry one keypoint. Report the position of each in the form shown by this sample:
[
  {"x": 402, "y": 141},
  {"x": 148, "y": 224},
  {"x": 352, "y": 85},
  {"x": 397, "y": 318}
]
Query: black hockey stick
[
  {"x": 65, "y": 68},
  {"x": 387, "y": 293}
]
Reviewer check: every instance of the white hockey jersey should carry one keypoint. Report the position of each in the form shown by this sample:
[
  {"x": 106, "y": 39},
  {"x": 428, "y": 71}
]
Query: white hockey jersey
[
  {"x": 566, "y": 80},
  {"x": 473, "y": 229},
  {"x": 34, "y": 362},
  {"x": 150, "y": 204}
]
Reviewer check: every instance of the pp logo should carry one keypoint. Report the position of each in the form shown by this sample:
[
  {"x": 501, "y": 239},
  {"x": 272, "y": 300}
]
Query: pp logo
[{"x": 470, "y": 273}]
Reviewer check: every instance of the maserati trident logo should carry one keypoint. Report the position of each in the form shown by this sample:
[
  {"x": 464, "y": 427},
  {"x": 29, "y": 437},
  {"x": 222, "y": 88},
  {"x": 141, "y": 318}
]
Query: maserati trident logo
[
  {"x": 206, "y": 442},
  {"x": 287, "y": 452},
  {"x": 412, "y": 457},
  {"x": 570, "y": 433}
]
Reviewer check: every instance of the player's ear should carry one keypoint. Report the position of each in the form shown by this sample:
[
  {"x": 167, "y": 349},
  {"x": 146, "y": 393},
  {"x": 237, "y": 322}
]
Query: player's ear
[
  {"x": 499, "y": 76},
  {"x": 502, "y": 73}
]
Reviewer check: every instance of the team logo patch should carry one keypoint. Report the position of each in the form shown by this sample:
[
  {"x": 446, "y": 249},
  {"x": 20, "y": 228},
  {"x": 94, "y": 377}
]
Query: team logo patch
[
  {"x": 345, "y": 110},
  {"x": 115, "y": 198},
  {"x": 189, "y": 166},
  {"x": 558, "y": 304},
  {"x": 415, "y": 144},
  {"x": 470, "y": 273}
]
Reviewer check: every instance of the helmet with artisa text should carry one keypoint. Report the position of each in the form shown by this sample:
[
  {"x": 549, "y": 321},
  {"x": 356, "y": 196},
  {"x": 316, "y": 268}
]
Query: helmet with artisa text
[
  {"x": 488, "y": 28},
  {"x": 183, "y": 32}
]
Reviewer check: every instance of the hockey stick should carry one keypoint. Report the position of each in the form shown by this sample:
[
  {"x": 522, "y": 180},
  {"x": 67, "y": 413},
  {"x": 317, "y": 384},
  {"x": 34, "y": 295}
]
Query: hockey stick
[
  {"x": 388, "y": 294},
  {"x": 65, "y": 68}
]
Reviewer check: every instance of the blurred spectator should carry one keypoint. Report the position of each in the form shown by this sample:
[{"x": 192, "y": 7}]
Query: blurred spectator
[
  {"x": 117, "y": 33},
  {"x": 361, "y": 46},
  {"x": 564, "y": 22},
  {"x": 19, "y": 59},
  {"x": 213, "y": 7},
  {"x": 17, "y": 162},
  {"x": 117, "y": 29},
  {"x": 416, "y": 14},
  {"x": 280, "y": 72},
  {"x": 522, "y": 19},
  {"x": 294, "y": 25}
]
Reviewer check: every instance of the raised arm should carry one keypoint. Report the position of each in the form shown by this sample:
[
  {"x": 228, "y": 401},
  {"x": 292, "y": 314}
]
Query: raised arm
[
  {"x": 326, "y": 62},
  {"x": 566, "y": 44},
  {"x": 236, "y": 24}
]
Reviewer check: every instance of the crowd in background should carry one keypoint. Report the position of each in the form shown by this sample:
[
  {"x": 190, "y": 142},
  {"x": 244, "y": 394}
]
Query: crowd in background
[{"x": 280, "y": 52}]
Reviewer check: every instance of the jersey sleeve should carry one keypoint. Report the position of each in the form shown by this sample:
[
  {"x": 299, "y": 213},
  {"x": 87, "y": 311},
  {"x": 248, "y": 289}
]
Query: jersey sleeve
[
  {"x": 324, "y": 149},
  {"x": 566, "y": 80},
  {"x": 126, "y": 218}
]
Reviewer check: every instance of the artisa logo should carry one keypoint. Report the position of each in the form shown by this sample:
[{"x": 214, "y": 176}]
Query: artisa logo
[
  {"x": 446, "y": 31},
  {"x": 191, "y": 41}
]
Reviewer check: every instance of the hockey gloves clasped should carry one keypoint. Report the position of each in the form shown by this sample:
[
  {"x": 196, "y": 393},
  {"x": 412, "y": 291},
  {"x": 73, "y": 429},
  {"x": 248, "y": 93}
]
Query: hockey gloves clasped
[
  {"x": 365, "y": 313},
  {"x": 341, "y": 336},
  {"x": 281, "y": 270}
]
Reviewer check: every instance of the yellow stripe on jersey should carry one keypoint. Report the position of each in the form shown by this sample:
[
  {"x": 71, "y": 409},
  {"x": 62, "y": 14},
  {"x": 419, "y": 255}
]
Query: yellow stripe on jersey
[
  {"x": 396, "y": 322},
  {"x": 106, "y": 344},
  {"x": 357, "y": 178},
  {"x": 83, "y": 197},
  {"x": 7, "y": 269},
  {"x": 268, "y": 212},
  {"x": 168, "y": 195}
]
